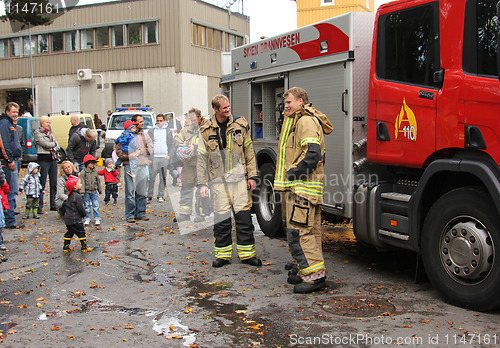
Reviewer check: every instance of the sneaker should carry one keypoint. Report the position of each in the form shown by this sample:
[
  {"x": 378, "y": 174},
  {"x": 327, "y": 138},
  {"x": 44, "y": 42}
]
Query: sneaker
[
  {"x": 86, "y": 250},
  {"x": 68, "y": 249},
  {"x": 150, "y": 199},
  {"x": 106, "y": 202},
  {"x": 160, "y": 199},
  {"x": 86, "y": 223},
  {"x": 3, "y": 247},
  {"x": 26, "y": 217},
  {"x": 115, "y": 201},
  {"x": 131, "y": 220},
  {"x": 98, "y": 222},
  {"x": 3, "y": 258},
  {"x": 36, "y": 217},
  {"x": 143, "y": 218}
]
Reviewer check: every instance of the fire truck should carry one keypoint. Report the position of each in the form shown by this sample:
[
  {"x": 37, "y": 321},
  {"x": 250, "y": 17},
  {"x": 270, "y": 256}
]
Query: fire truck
[{"x": 414, "y": 95}]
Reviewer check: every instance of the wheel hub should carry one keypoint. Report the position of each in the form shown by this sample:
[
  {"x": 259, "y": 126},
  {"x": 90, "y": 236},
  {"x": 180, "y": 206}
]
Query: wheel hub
[{"x": 467, "y": 250}]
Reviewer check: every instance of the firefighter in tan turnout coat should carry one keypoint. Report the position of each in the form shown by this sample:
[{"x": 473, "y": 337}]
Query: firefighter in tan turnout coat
[
  {"x": 189, "y": 136},
  {"x": 300, "y": 174},
  {"x": 226, "y": 162}
]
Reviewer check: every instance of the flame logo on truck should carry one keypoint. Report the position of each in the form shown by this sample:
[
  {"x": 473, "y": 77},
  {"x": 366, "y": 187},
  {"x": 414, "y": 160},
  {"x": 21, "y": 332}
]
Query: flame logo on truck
[
  {"x": 338, "y": 41},
  {"x": 406, "y": 124}
]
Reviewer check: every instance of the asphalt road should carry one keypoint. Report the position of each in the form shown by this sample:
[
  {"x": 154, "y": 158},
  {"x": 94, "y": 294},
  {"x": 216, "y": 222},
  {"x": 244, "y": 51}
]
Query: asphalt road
[{"x": 151, "y": 284}]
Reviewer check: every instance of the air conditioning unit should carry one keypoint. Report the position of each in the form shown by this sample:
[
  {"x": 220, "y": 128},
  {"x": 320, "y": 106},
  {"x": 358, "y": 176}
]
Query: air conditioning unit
[{"x": 84, "y": 74}]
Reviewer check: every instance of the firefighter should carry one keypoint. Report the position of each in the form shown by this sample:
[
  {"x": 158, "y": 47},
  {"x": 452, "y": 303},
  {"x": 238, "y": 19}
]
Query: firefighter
[
  {"x": 188, "y": 137},
  {"x": 299, "y": 174},
  {"x": 226, "y": 161}
]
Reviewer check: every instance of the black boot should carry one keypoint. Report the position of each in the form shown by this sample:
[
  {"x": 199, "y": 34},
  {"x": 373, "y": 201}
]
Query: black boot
[
  {"x": 253, "y": 261},
  {"x": 293, "y": 276},
  {"x": 220, "y": 262},
  {"x": 85, "y": 248},
  {"x": 66, "y": 247},
  {"x": 308, "y": 287}
]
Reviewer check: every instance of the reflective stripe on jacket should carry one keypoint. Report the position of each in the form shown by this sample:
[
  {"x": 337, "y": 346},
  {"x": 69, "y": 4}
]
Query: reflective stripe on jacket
[
  {"x": 236, "y": 162},
  {"x": 304, "y": 127}
]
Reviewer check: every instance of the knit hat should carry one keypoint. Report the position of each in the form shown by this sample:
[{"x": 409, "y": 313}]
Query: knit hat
[
  {"x": 71, "y": 182},
  {"x": 130, "y": 123},
  {"x": 88, "y": 158}
]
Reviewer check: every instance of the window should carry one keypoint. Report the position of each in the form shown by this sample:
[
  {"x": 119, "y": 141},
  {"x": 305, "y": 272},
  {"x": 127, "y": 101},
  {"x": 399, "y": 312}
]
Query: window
[
  {"x": 327, "y": 2},
  {"x": 71, "y": 40},
  {"x": 87, "y": 39},
  {"x": 480, "y": 38},
  {"x": 4, "y": 48},
  {"x": 150, "y": 35},
  {"x": 43, "y": 43},
  {"x": 27, "y": 47},
  {"x": 15, "y": 47},
  {"x": 134, "y": 34},
  {"x": 217, "y": 40},
  {"x": 102, "y": 37},
  {"x": 195, "y": 34},
  {"x": 409, "y": 50},
  {"x": 232, "y": 42},
  {"x": 57, "y": 42},
  {"x": 201, "y": 36},
  {"x": 117, "y": 35},
  {"x": 210, "y": 37}
]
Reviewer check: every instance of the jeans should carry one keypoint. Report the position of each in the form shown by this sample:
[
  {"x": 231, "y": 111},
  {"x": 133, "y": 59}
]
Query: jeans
[
  {"x": 12, "y": 180},
  {"x": 80, "y": 166},
  {"x": 88, "y": 200},
  {"x": 48, "y": 168},
  {"x": 159, "y": 166},
  {"x": 135, "y": 192}
]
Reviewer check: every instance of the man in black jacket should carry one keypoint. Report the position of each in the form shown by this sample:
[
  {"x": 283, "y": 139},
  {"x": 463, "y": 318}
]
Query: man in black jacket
[
  {"x": 10, "y": 153},
  {"x": 81, "y": 143},
  {"x": 75, "y": 125}
]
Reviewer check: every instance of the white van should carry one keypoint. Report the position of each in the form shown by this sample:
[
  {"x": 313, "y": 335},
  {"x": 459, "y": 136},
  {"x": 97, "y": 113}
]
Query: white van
[{"x": 117, "y": 121}]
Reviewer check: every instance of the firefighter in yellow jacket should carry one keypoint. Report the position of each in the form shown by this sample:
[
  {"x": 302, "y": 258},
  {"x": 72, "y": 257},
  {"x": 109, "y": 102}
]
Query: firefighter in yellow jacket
[
  {"x": 226, "y": 162},
  {"x": 188, "y": 137},
  {"x": 299, "y": 174}
]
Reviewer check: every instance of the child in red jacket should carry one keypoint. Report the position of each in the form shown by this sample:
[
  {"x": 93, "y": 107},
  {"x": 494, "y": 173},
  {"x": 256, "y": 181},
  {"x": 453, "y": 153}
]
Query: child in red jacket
[
  {"x": 110, "y": 174},
  {"x": 4, "y": 189}
]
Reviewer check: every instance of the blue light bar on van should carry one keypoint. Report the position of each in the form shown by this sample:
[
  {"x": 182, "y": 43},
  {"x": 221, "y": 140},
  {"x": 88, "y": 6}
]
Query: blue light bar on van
[{"x": 142, "y": 108}]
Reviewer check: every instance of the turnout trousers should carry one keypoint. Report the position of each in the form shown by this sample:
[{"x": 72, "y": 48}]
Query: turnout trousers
[
  {"x": 227, "y": 198},
  {"x": 303, "y": 232}
]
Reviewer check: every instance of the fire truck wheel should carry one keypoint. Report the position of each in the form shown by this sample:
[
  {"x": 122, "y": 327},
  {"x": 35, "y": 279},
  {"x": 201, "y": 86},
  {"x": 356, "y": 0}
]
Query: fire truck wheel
[
  {"x": 459, "y": 241},
  {"x": 267, "y": 203}
]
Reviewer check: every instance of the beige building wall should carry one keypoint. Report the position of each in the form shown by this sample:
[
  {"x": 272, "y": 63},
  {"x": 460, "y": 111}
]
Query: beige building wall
[
  {"x": 176, "y": 74},
  {"x": 312, "y": 11}
]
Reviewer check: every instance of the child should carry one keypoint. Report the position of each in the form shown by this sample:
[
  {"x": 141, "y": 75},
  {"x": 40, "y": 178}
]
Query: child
[
  {"x": 32, "y": 188},
  {"x": 4, "y": 189},
  {"x": 110, "y": 175},
  {"x": 91, "y": 188},
  {"x": 128, "y": 144},
  {"x": 75, "y": 212}
]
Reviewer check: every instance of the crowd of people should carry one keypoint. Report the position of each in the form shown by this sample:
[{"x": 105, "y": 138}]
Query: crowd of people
[{"x": 219, "y": 171}]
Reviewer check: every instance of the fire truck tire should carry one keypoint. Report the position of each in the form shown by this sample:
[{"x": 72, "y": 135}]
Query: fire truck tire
[
  {"x": 459, "y": 241},
  {"x": 267, "y": 205}
]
